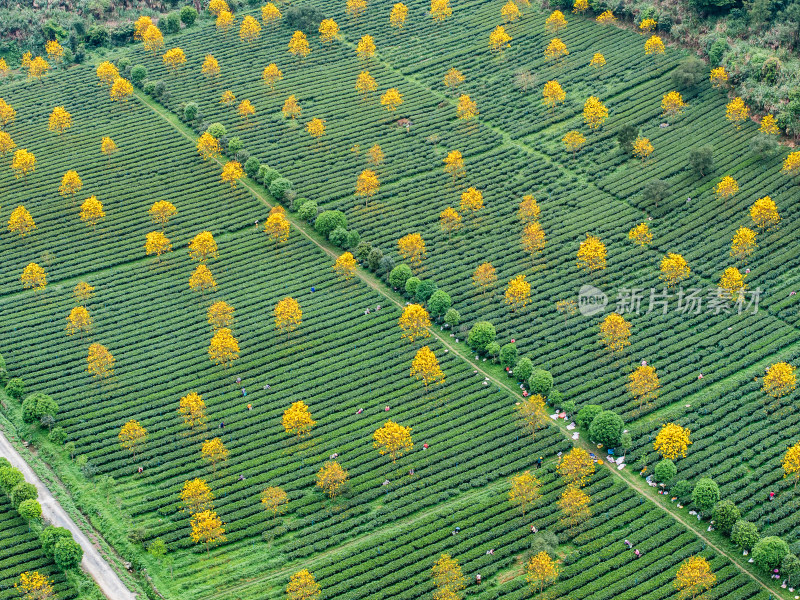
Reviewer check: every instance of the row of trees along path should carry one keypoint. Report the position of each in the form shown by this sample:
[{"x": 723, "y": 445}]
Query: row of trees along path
[{"x": 631, "y": 481}]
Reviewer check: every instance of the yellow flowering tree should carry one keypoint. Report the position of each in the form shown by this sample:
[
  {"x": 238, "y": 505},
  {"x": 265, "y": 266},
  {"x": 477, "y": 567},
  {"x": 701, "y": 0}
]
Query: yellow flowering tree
[
  {"x": 768, "y": 125},
  {"x": 440, "y": 10},
  {"x": 398, "y": 15},
  {"x": 92, "y": 211},
  {"x": 298, "y": 45},
  {"x": 694, "y": 577},
  {"x": 541, "y": 570},
  {"x": 573, "y": 141},
  {"x": 152, "y": 39},
  {"x": 328, "y": 31},
  {"x": 598, "y": 61},
  {"x": 791, "y": 463},
  {"x": 779, "y": 380},
  {"x": 453, "y": 78},
  {"x": 224, "y": 21},
  {"x": 192, "y": 409},
  {"x": 291, "y": 108},
  {"x": 574, "y": 506},
  {"x": 426, "y": 367},
  {"x": 719, "y": 77},
  {"x": 532, "y": 413},
  {"x": 271, "y": 75},
  {"x": 743, "y": 243},
  {"x": 297, "y": 419},
  {"x": 555, "y": 22},
  {"x": 275, "y": 500},
  {"x": 345, "y": 266},
  {"x": 643, "y": 384},
  {"x": 736, "y": 112},
  {"x": 79, "y": 321},
  {"x": 245, "y": 110},
  {"x": 365, "y": 84},
  {"x": 132, "y": 436},
  {"x": 412, "y": 248},
  {"x": 100, "y": 362},
  {"x": 214, "y": 451},
  {"x": 162, "y": 211},
  {"x": 576, "y": 467},
  {"x": 732, "y": 282},
  {"x": 647, "y": 25},
  {"x": 35, "y": 586},
  {"x": 302, "y": 586},
  {"x": 60, "y": 120},
  {"x": 270, "y": 14},
  {"x": 210, "y": 68},
  {"x": 672, "y": 104},
  {"x": 615, "y": 333},
  {"x": 674, "y": 269},
  {"x": 121, "y": 90},
  {"x": 414, "y": 322},
  {"x": 471, "y": 200},
  {"x": 392, "y": 439},
  {"x": 791, "y": 164},
  {"x": 533, "y": 238},
  {"x": 449, "y": 220},
  {"x": 250, "y": 30},
  {"x": 556, "y": 50},
  {"x": 510, "y": 12},
  {"x": 331, "y": 478},
  {"x": 223, "y": 348},
  {"x": 107, "y": 73},
  {"x": 528, "y": 210},
  {"x": 21, "y": 222},
  {"x": 525, "y": 490},
  {"x": 232, "y": 172},
  {"x": 219, "y": 315},
  {"x": 156, "y": 243},
  {"x": 355, "y": 8},
  {"x": 108, "y": 147},
  {"x": 594, "y": 113},
  {"x": 196, "y": 496},
  {"x": 367, "y": 185},
  {"x": 454, "y": 164},
  {"x": 499, "y": 39},
  {"x": 672, "y": 441},
  {"x": 208, "y": 529},
  {"x": 654, "y": 46},
  {"x": 391, "y": 99},
  {"x": 764, "y": 213},
  {"x": 202, "y": 280},
  {"x": 591, "y": 254},
  {"x": 466, "y": 108},
  {"x": 484, "y": 277},
  {"x": 726, "y": 188},
  {"x": 288, "y": 315},
  {"x": 553, "y": 94},
  {"x": 277, "y": 228},
  {"x": 641, "y": 235},
  {"x": 174, "y": 59},
  {"x": 365, "y": 49},
  {"x": 23, "y": 163}
]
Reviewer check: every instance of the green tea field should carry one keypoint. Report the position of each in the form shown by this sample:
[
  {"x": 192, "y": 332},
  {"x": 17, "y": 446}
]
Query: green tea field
[{"x": 526, "y": 385}]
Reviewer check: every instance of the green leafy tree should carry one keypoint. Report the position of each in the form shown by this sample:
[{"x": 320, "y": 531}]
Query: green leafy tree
[
  {"x": 524, "y": 369},
  {"x": 10, "y": 478},
  {"x": 439, "y": 303},
  {"x": 626, "y": 135},
  {"x": 452, "y": 318},
  {"x": 399, "y": 275},
  {"x": 769, "y": 552},
  {"x": 701, "y": 160},
  {"x": 23, "y": 491},
  {"x": 745, "y": 534},
  {"x": 30, "y": 510},
  {"x": 656, "y": 191},
  {"x": 683, "y": 490},
  {"x": 508, "y": 356},
  {"x": 50, "y": 536},
  {"x": 15, "y": 388},
  {"x": 705, "y": 494},
  {"x": 67, "y": 553},
  {"x": 540, "y": 382},
  {"x": 689, "y": 73},
  {"x": 665, "y": 471},
  {"x": 790, "y": 567},
  {"x": 606, "y": 429},
  {"x": 587, "y": 414},
  {"x": 38, "y": 405},
  {"x": 412, "y": 283},
  {"x": 425, "y": 290},
  {"x": 625, "y": 442},
  {"x": 188, "y": 15},
  {"x": 328, "y": 220},
  {"x": 481, "y": 335},
  {"x": 725, "y": 516}
]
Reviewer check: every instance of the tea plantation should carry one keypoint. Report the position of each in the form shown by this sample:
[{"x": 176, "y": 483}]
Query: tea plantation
[{"x": 381, "y": 534}]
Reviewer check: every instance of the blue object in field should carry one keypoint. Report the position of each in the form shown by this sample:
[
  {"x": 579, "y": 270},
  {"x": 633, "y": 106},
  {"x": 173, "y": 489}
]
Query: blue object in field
[
  {"x": 611, "y": 451},
  {"x": 312, "y": 288}
]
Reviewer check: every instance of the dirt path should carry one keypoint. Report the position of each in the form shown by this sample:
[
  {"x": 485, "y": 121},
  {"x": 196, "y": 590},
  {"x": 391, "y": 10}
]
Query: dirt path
[{"x": 93, "y": 564}]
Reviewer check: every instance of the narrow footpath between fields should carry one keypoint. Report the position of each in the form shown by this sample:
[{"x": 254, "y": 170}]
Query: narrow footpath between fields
[{"x": 93, "y": 564}]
